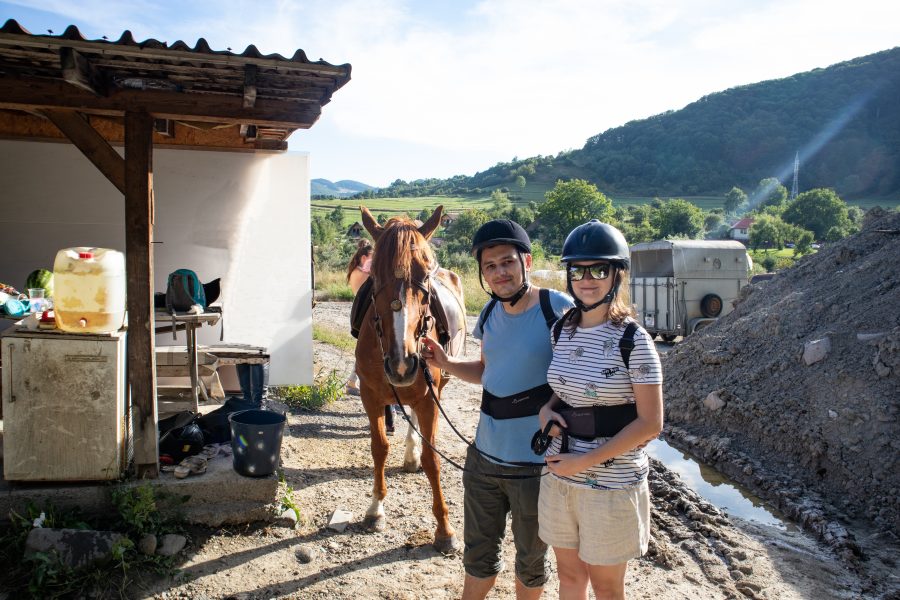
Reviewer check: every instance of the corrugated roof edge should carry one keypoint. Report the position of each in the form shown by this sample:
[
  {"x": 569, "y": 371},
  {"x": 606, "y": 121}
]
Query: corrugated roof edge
[{"x": 201, "y": 47}]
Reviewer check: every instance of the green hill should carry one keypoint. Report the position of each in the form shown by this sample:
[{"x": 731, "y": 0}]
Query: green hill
[
  {"x": 844, "y": 120},
  {"x": 338, "y": 189}
]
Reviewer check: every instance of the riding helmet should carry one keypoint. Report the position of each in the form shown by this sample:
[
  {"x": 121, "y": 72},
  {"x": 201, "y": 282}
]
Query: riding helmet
[
  {"x": 597, "y": 241},
  {"x": 498, "y": 232}
]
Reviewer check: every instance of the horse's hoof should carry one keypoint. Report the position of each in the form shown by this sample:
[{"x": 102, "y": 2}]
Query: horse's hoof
[
  {"x": 412, "y": 466},
  {"x": 375, "y": 523},
  {"x": 447, "y": 545}
]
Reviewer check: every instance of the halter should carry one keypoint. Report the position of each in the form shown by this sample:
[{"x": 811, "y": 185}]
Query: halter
[{"x": 426, "y": 320}]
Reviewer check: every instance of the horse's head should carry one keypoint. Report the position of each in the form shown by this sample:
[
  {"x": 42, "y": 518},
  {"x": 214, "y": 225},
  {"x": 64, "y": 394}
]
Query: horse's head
[{"x": 401, "y": 288}]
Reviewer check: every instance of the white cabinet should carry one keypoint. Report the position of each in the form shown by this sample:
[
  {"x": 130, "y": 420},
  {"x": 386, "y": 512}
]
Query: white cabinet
[{"x": 64, "y": 406}]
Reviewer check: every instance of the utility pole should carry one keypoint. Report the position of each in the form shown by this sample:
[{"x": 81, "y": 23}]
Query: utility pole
[{"x": 794, "y": 187}]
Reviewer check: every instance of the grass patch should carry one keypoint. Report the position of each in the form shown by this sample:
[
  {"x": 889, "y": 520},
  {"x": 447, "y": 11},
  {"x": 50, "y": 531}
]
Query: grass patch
[
  {"x": 332, "y": 285},
  {"x": 333, "y": 337},
  {"x": 326, "y": 389}
]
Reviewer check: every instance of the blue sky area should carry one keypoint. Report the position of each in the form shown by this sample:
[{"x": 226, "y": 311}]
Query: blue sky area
[{"x": 441, "y": 88}]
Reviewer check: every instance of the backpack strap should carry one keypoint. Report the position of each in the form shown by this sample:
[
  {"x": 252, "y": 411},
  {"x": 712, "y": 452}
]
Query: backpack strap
[
  {"x": 558, "y": 326},
  {"x": 486, "y": 313},
  {"x": 547, "y": 308},
  {"x": 626, "y": 344}
]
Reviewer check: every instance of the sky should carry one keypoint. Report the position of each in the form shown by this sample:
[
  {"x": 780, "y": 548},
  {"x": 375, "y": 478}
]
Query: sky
[{"x": 443, "y": 87}]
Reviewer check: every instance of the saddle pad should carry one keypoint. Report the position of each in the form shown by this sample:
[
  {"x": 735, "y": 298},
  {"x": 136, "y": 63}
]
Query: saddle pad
[{"x": 360, "y": 305}]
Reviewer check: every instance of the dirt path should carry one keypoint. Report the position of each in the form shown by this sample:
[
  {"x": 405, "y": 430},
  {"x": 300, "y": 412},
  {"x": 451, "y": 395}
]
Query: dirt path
[{"x": 697, "y": 552}]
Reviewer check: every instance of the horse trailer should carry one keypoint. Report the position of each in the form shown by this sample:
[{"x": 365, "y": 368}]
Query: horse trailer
[{"x": 679, "y": 286}]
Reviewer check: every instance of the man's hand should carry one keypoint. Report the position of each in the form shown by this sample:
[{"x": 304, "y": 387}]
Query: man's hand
[{"x": 434, "y": 353}]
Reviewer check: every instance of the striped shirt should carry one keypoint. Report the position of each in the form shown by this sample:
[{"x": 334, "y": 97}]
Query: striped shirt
[{"x": 587, "y": 369}]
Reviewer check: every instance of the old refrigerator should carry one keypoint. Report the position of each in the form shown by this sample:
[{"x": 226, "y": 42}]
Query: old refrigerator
[{"x": 64, "y": 406}]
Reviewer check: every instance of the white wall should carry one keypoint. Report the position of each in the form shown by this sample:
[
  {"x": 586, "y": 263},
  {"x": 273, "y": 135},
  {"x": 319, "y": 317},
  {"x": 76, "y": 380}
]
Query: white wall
[{"x": 239, "y": 216}]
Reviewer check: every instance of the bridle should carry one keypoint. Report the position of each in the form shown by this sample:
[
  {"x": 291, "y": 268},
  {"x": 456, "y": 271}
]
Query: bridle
[{"x": 426, "y": 319}]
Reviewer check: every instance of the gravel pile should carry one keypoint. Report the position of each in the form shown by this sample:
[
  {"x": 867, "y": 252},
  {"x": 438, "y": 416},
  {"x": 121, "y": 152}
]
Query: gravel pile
[{"x": 804, "y": 375}]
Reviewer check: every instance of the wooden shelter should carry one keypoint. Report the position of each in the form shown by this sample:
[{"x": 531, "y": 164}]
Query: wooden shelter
[{"x": 99, "y": 93}]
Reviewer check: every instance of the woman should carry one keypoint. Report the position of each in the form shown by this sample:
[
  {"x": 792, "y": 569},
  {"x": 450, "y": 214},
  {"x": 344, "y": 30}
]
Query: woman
[
  {"x": 594, "y": 505},
  {"x": 357, "y": 273}
]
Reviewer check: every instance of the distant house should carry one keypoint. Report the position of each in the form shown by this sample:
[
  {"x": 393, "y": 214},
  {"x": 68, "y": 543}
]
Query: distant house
[
  {"x": 355, "y": 230},
  {"x": 740, "y": 230},
  {"x": 448, "y": 218}
]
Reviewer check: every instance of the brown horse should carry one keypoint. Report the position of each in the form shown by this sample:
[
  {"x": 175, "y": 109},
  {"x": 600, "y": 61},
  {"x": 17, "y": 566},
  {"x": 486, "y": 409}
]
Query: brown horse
[{"x": 406, "y": 281}]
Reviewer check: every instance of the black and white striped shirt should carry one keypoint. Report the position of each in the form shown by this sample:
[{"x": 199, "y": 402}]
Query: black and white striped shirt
[{"x": 587, "y": 369}]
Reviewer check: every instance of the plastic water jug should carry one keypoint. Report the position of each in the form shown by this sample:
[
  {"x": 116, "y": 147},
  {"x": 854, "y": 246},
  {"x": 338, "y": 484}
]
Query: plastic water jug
[{"x": 89, "y": 292}]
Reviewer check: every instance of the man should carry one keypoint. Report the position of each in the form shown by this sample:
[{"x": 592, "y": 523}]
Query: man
[{"x": 515, "y": 352}]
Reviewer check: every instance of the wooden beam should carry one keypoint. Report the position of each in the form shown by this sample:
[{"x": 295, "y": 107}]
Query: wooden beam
[
  {"x": 78, "y": 71},
  {"x": 250, "y": 86},
  {"x": 92, "y": 145},
  {"x": 28, "y": 93},
  {"x": 139, "y": 269}
]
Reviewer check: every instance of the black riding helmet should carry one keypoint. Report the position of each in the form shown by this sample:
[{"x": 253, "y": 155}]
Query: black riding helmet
[
  {"x": 596, "y": 241},
  {"x": 500, "y": 232}
]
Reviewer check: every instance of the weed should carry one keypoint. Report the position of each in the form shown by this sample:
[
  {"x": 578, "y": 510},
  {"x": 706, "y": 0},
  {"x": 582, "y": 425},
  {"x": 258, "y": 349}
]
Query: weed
[
  {"x": 287, "y": 498},
  {"x": 326, "y": 389}
]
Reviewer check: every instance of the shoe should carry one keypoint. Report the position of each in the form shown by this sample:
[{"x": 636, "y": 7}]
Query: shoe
[
  {"x": 192, "y": 465},
  {"x": 351, "y": 391},
  {"x": 389, "y": 430}
]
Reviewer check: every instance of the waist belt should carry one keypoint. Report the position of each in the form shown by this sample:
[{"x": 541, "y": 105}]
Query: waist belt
[
  {"x": 589, "y": 422},
  {"x": 522, "y": 404}
]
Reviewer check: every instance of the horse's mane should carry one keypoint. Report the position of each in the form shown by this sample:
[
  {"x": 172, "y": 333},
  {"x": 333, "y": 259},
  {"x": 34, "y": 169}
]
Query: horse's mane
[{"x": 398, "y": 248}]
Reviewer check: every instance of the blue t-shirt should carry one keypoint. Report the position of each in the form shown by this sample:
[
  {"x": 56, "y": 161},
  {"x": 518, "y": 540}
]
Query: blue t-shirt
[{"x": 517, "y": 352}]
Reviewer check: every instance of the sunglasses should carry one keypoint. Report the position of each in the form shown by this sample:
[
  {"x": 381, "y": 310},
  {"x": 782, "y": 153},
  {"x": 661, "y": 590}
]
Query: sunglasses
[{"x": 597, "y": 271}]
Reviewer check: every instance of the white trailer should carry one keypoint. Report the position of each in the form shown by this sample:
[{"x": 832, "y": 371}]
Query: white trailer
[{"x": 680, "y": 286}]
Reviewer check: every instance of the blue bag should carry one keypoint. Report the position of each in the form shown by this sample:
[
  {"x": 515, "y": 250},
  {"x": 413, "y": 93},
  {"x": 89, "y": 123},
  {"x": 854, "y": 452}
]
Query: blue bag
[{"x": 184, "y": 290}]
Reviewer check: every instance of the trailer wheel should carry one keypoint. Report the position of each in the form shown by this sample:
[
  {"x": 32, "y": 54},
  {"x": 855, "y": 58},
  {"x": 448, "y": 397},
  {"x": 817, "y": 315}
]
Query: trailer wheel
[
  {"x": 669, "y": 337},
  {"x": 711, "y": 305}
]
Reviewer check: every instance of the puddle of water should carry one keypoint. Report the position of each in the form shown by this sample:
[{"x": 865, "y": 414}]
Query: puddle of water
[{"x": 736, "y": 500}]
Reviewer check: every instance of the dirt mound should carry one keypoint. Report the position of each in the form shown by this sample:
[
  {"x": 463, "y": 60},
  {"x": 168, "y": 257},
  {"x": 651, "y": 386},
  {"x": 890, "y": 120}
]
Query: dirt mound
[{"x": 804, "y": 376}]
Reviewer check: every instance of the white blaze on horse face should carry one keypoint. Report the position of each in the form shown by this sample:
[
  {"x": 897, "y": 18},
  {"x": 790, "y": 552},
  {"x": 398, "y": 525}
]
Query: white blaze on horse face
[{"x": 400, "y": 322}]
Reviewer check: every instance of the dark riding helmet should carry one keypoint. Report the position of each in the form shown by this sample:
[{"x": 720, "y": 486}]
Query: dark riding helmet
[
  {"x": 497, "y": 233},
  {"x": 597, "y": 241}
]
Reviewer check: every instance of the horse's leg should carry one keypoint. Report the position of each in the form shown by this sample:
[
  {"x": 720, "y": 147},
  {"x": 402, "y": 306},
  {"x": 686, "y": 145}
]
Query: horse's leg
[
  {"x": 444, "y": 537},
  {"x": 375, "y": 519},
  {"x": 412, "y": 458}
]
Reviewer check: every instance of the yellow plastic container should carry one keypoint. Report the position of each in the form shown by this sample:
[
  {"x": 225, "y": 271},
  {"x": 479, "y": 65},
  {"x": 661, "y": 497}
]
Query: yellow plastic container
[{"x": 90, "y": 290}]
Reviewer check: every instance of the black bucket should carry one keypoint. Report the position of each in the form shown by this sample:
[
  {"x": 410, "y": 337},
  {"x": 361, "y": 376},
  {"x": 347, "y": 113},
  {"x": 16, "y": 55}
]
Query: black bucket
[{"x": 256, "y": 441}]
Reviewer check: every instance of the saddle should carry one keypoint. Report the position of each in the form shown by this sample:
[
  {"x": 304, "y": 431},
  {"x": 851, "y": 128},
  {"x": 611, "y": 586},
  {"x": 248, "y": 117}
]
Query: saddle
[{"x": 445, "y": 306}]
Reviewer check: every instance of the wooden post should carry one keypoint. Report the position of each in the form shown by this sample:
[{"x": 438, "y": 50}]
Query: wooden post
[{"x": 139, "y": 269}]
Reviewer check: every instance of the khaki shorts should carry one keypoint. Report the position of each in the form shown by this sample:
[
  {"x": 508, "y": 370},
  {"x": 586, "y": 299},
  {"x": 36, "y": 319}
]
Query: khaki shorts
[{"x": 607, "y": 527}]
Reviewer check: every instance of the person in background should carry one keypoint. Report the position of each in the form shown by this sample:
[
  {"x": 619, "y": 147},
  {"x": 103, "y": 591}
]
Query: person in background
[
  {"x": 512, "y": 368},
  {"x": 357, "y": 273},
  {"x": 594, "y": 507}
]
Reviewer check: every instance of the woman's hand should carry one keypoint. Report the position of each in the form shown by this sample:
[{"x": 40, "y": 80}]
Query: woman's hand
[
  {"x": 566, "y": 465},
  {"x": 434, "y": 353},
  {"x": 546, "y": 415}
]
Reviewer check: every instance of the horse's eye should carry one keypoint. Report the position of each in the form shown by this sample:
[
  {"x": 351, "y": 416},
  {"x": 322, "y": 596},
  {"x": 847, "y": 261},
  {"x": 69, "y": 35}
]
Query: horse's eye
[{"x": 396, "y": 305}]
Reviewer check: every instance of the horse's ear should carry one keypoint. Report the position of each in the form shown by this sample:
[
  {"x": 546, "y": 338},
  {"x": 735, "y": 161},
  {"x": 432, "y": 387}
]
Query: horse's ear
[
  {"x": 428, "y": 228},
  {"x": 371, "y": 225}
]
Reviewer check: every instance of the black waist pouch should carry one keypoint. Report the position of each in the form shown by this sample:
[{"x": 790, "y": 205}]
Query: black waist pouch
[
  {"x": 523, "y": 404},
  {"x": 589, "y": 422}
]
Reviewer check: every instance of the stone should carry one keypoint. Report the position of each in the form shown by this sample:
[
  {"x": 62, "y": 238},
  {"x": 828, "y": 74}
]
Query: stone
[
  {"x": 287, "y": 518},
  {"x": 304, "y": 554},
  {"x": 339, "y": 520},
  {"x": 75, "y": 547},
  {"x": 171, "y": 544},
  {"x": 147, "y": 545},
  {"x": 816, "y": 350},
  {"x": 713, "y": 401}
]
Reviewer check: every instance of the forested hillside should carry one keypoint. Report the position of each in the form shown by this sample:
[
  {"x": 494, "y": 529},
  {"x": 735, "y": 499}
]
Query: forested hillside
[{"x": 844, "y": 121}]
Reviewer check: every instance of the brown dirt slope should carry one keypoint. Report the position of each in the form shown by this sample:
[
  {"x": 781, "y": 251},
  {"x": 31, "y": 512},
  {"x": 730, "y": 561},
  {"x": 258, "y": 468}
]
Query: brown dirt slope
[{"x": 830, "y": 425}]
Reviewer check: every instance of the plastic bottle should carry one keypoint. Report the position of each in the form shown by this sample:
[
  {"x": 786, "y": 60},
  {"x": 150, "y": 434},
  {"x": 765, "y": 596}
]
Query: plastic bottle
[{"x": 90, "y": 290}]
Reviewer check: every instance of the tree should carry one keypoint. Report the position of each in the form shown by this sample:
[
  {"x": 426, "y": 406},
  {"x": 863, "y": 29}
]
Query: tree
[
  {"x": 769, "y": 192},
  {"x": 520, "y": 182},
  {"x": 458, "y": 237},
  {"x": 735, "y": 200},
  {"x": 568, "y": 205},
  {"x": 769, "y": 231},
  {"x": 819, "y": 210},
  {"x": 501, "y": 204},
  {"x": 323, "y": 231},
  {"x": 336, "y": 216},
  {"x": 712, "y": 221},
  {"x": 678, "y": 217}
]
